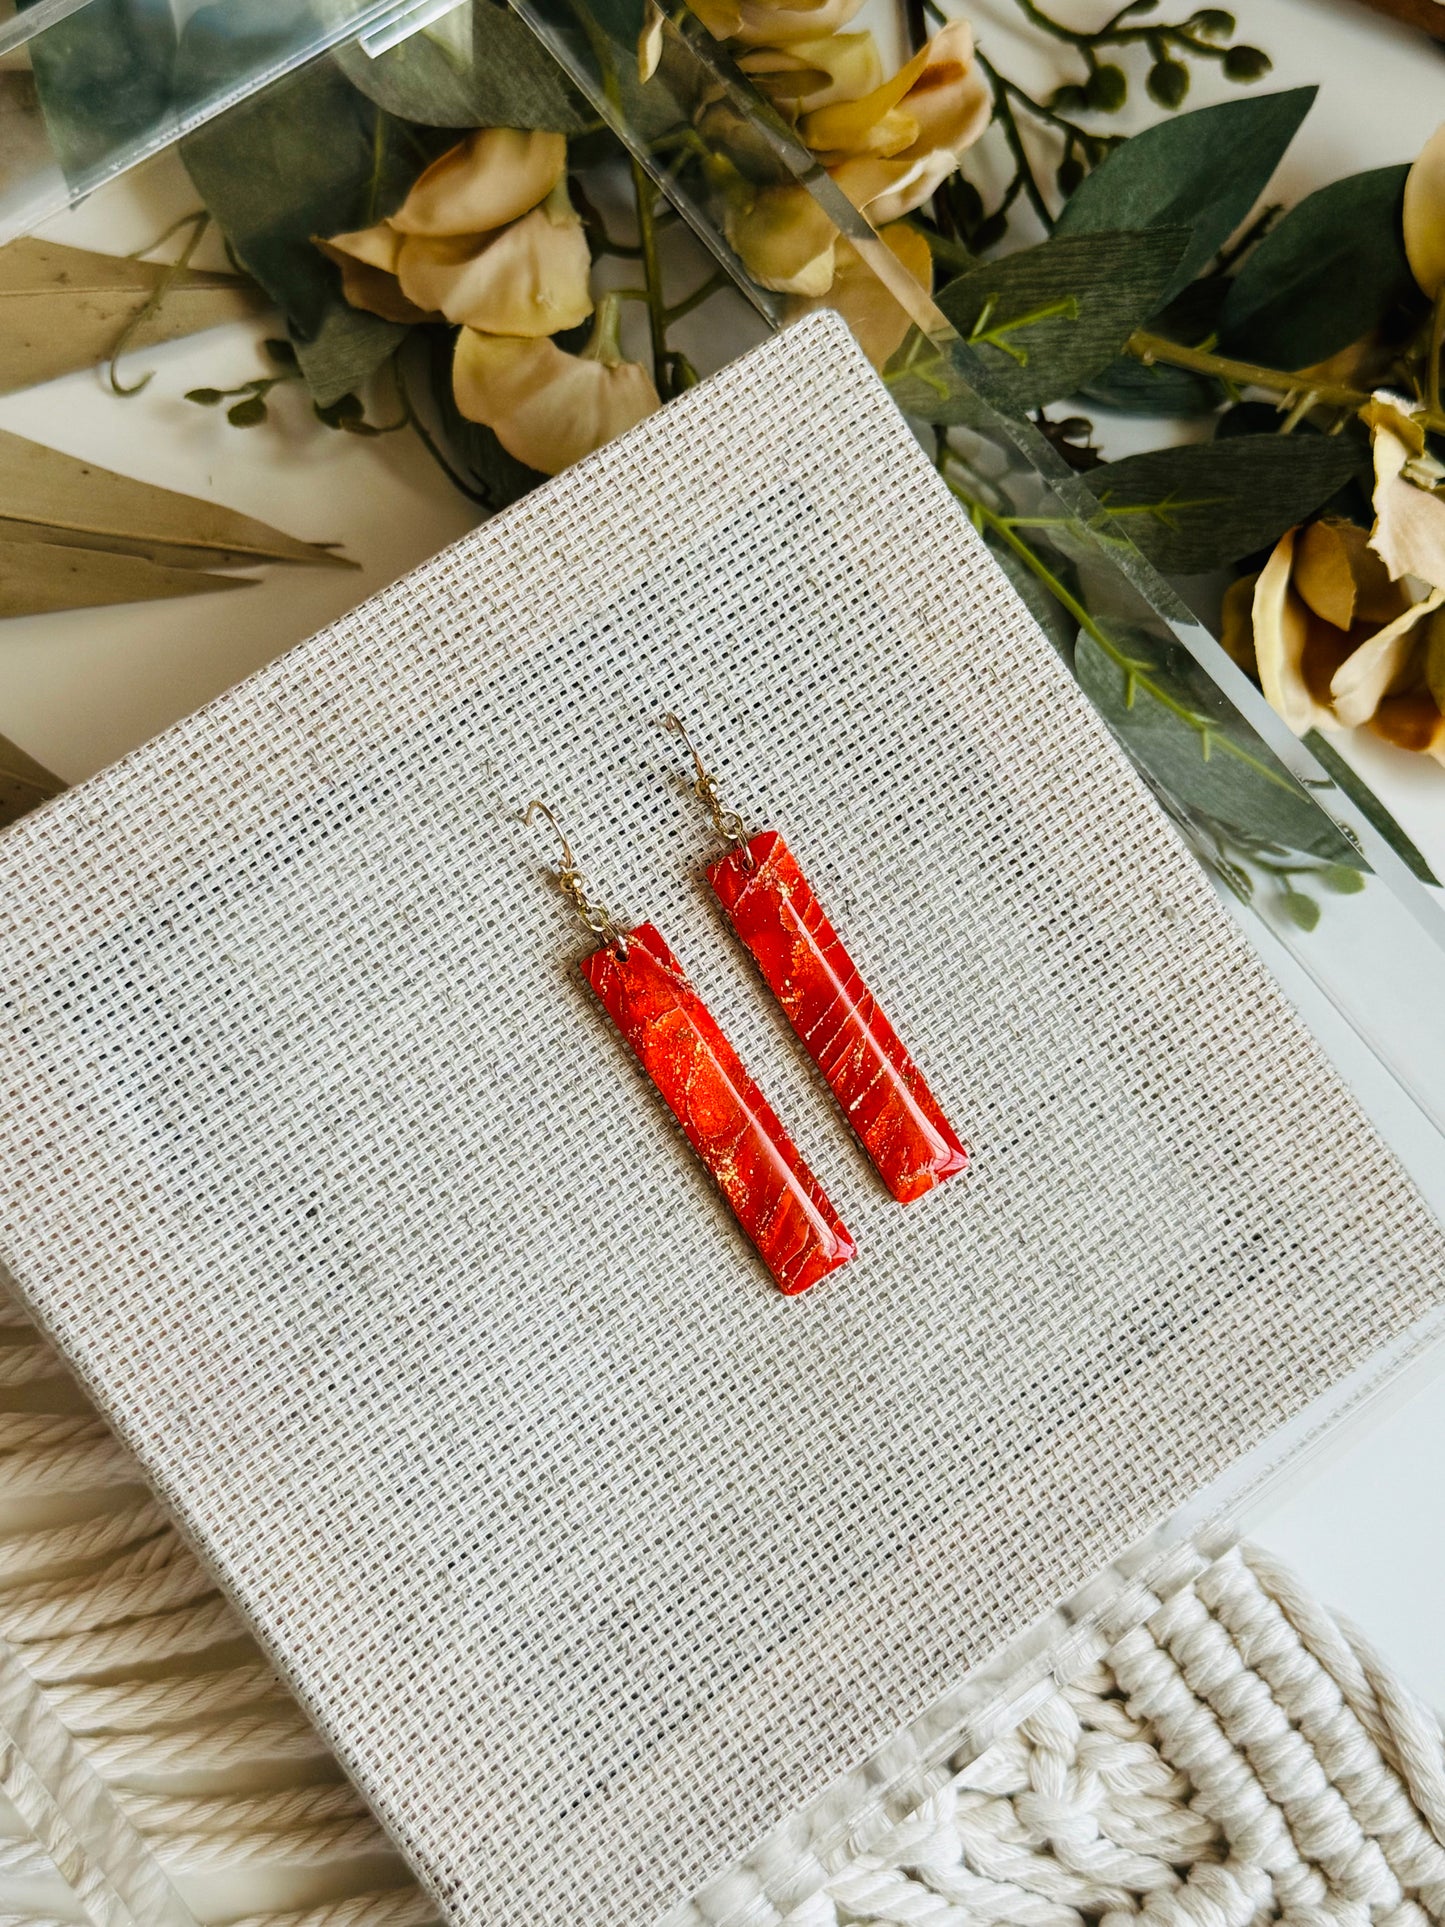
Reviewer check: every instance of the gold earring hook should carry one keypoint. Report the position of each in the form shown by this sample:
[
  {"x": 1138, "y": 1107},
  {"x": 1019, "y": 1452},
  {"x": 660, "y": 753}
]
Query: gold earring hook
[
  {"x": 728, "y": 824},
  {"x": 574, "y": 885}
]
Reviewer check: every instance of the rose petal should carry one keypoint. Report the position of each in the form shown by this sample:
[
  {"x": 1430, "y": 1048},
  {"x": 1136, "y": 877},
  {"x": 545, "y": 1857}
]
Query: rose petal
[
  {"x": 532, "y": 278},
  {"x": 1236, "y": 623},
  {"x": 951, "y": 99},
  {"x": 546, "y": 407},
  {"x": 722, "y": 18},
  {"x": 1281, "y": 634},
  {"x": 1409, "y": 531},
  {"x": 878, "y": 320},
  {"x": 1424, "y": 215},
  {"x": 886, "y": 190},
  {"x": 377, "y": 246},
  {"x": 373, "y": 288},
  {"x": 784, "y": 239},
  {"x": 872, "y": 125},
  {"x": 1411, "y": 721},
  {"x": 649, "y": 40},
  {"x": 811, "y": 74},
  {"x": 490, "y": 178},
  {"x": 761, "y": 23},
  {"x": 1370, "y": 672},
  {"x": 367, "y": 259},
  {"x": 1341, "y": 577}
]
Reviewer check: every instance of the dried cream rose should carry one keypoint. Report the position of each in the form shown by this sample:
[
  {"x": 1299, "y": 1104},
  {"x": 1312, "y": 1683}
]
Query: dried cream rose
[
  {"x": 886, "y": 190},
  {"x": 548, "y": 408},
  {"x": 492, "y": 177},
  {"x": 367, "y": 259},
  {"x": 1336, "y": 642},
  {"x": 783, "y": 238},
  {"x": 1409, "y": 532},
  {"x": 811, "y": 74},
  {"x": 531, "y": 278},
  {"x": 878, "y": 320},
  {"x": 1425, "y": 215}
]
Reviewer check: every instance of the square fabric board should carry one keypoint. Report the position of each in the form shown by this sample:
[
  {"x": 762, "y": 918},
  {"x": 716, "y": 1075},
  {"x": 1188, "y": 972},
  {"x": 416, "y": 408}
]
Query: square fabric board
[{"x": 591, "y": 1554}]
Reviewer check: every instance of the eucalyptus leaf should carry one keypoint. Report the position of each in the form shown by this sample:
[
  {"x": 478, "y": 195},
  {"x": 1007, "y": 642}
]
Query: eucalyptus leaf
[
  {"x": 38, "y": 577},
  {"x": 1045, "y": 319},
  {"x": 479, "y": 66},
  {"x": 346, "y": 350},
  {"x": 24, "y": 783},
  {"x": 65, "y": 308},
  {"x": 1369, "y": 805},
  {"x": 1239, "y": 785},
  {"x": 309, "y": 155},
  {"x": 935, "y": 381},
  {"x": 42, "y": 490},
  {"x": 1047, "y": 611},
  {"x": 1135, "y": 387},
  {"x": 1206, "y": 504},
  {"x": 105, "y": 80},
  {"x": 1331, "y": 270},
  {"x": 1203, "y": 170}
]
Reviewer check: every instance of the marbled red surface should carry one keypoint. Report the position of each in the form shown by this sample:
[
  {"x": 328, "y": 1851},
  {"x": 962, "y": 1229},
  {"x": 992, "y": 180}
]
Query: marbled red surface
[
  {"x": 880, "y": 1088},
  {"x": 728, "y": 1121}
]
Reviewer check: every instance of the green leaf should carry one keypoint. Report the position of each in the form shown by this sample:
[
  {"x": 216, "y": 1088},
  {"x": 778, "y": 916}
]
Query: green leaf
[
  {"x": 1240, "y": 785},
  {"x": 1208, "y": 503},
  {"x": 481, "y": 66},
  {"x": 309, "y": 155},
  {"x": 1343, "y": 881},
  {"x": 1203, "y": 170},
  {"x": 1047, "y": 611},
  {"x": 104, "y": 78},
  {"x": 1136, "y": 389},
  {"x": 346, "y": 350},
  {"x": 1043, "y": 320},
  {"x": 1369, "y": 805},
  {"x": 1331, "y": 271}
]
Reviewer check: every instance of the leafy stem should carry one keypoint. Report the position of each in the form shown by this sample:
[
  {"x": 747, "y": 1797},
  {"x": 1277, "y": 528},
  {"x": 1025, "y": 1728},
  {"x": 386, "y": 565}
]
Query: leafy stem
[
  {"x": 1137, "y": 675},
  {"x": 1065, "y": 308},
  {"x": 657, "y": 315},
  {"x": 1150, "y": 348},
  {"x": 1024, "y": 176},
  {"x": 199, "y": 222}
]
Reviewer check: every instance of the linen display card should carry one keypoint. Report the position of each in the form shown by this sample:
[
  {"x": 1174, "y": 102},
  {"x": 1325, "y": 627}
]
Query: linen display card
[{"x": 591, "y": 1553}]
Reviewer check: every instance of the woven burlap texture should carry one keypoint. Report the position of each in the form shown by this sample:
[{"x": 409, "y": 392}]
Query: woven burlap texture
[{"x": 590, "y": 1554}]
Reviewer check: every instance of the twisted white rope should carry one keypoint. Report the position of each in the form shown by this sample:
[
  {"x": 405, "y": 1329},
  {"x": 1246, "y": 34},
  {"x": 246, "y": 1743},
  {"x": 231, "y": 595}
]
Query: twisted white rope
[{"x": 1237, "y": 1756}]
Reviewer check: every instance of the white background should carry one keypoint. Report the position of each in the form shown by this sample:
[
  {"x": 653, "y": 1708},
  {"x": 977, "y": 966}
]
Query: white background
[{"x": 1365, "y": 1526}]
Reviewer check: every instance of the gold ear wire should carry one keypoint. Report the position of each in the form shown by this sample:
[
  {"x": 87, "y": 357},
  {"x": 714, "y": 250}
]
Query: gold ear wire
[
  {"x": 575, "y": 887},
  {"x": 728, "y": 824}
]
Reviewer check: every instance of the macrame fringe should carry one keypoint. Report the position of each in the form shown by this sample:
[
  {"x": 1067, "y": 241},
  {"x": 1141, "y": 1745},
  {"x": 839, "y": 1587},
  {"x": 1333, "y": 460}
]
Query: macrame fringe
[{"x": 1219, "y": 1752}]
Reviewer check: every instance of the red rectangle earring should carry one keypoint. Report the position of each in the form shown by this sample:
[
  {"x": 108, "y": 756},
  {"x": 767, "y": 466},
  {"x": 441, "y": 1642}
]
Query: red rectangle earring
[
  {"x": 771, "y": 906},
  {"x": 725, "y": 1117}
]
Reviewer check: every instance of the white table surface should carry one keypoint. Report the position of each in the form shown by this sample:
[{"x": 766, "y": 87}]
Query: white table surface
[{"x": 1365, "y": 1526}]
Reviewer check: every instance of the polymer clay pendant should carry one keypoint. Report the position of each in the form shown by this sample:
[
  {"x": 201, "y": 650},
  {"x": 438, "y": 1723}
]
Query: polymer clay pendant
[
  {"x": 724, "y": 1116},
  {"x": 838, "y": 1020}
]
